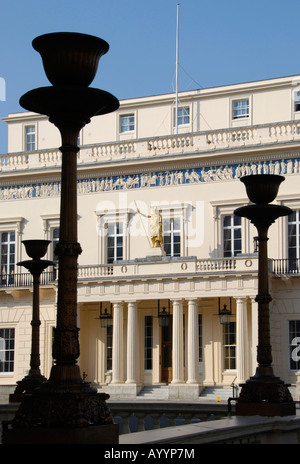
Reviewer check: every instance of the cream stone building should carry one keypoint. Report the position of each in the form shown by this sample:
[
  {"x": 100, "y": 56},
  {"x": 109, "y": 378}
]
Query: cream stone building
[{"x": 137, "y": 166}]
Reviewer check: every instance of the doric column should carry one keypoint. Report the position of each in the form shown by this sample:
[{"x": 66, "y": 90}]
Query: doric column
[
  {"x": 117, "y": 348},
  {"x": 241, "y": 339},
  {"x": 177, "y": 335},
  {"x": 254, "y": 314},
  {"x": 132, "y": 342},
  {"x": 193, "y": 342}
]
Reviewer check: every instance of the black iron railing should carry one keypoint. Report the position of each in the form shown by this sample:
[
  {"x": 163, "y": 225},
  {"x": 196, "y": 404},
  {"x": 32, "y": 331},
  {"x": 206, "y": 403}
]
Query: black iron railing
[{"x": 24, "y": 279}]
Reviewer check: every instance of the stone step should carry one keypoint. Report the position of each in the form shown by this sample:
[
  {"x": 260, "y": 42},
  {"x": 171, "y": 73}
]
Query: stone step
[
  {"x": 154, "y": 392},
  {"x": 217, "y": 393}
]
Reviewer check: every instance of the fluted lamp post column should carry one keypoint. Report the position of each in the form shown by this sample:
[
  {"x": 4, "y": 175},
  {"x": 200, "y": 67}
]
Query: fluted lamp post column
[
  {"x": 263, "y": 394},
  {"x": 35, "y": 249},
  {"x": 65, "y": 401}
]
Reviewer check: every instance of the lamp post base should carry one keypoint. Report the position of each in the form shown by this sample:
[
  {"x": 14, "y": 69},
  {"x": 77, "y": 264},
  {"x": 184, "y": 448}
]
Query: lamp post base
[
  {"x": 265, "y": 409},
  {"x": 26, "y": 386},
  {"x": 73, "y": 408},
  {"x": 265, "y": 397}
]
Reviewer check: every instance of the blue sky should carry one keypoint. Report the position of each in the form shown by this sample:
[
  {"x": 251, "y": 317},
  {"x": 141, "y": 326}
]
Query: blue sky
[{"x": 220, "y": 43}]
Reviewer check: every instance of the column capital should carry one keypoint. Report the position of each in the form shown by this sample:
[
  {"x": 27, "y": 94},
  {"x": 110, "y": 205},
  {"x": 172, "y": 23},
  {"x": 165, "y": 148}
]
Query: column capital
[{"x": 240, "y": 299}]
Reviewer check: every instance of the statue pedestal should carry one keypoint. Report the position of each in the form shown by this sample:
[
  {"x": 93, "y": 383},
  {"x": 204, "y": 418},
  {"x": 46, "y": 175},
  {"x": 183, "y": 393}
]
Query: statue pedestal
[{"x": 155, "y": 252}]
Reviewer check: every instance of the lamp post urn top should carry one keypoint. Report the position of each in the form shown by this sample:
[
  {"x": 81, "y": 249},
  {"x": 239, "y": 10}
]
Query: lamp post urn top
[
  {"x": 262, "y": 188},
  {"x": 36, "y": 248},
  {"x": 70, "y": 61},
  {"x": 70, "y": 58}
]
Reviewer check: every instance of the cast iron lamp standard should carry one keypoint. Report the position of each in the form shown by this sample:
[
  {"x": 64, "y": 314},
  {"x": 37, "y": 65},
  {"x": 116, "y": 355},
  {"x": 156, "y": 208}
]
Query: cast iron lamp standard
[
  {"x": 263, "y": 394},
  {"x": 65, "y": 401},
  {"x": 35, "y": 249}
]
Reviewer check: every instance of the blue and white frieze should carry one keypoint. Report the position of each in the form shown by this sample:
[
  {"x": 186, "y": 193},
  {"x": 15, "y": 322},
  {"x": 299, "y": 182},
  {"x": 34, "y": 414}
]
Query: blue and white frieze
[{"x": 156, "y": 179}]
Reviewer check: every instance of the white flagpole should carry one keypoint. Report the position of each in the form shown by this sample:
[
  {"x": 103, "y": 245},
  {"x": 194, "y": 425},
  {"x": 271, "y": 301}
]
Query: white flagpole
[{"x": 177, "y": 53}]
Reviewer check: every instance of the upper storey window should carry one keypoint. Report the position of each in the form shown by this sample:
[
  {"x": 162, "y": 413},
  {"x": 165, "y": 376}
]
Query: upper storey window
[
  {"x": 297, "y": 101},
  {"x": 240, "y": 109},
  {"x": 127, "y": 123},
  {"x": 30, "y": 138},
  {"x": 183, "y": 116},
  {"x": 232, "y": 236}
]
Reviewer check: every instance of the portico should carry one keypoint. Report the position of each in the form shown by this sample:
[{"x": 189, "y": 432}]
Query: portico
[{"x": 192, "y": 350}]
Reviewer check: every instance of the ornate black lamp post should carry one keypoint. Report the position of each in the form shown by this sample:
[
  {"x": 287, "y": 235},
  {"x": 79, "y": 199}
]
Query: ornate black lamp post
[
  {"x": 263, "y": 394},
  {"x": 35, "y": 249},
  {"x": 65, "y": 401}
]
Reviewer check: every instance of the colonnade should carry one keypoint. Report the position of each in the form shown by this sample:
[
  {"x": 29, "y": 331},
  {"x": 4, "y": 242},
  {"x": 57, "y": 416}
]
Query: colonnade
[{"x": 188, "y": 374}]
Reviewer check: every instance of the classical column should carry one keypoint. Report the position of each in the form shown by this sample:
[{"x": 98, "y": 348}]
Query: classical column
[
  {"x": 193, "y": 342},
  {"x": 241, "y": 339},
  {"x": 254, "y": 313},
  {"x": 132, "y": 342},
  {"x": 177, "y": 335},
  {"x": 117, "y": 348}
]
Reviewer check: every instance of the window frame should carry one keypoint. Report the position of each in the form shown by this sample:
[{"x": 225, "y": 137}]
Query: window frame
[
  {"x": 8, "y": 266},
  {"x": 108, "y": 348},
  {"x": 296, "y": 235},
  {"x": 296, "y": 100},
  {"x": 130, "y": 126},
  {"x": 27, "y": 137},
  {"x": 148, "y": 343},
  {"x": 171, "y": 232},
  {"x": 9, "y": 372},
  {"x": 232, "y": 228},
  {"x": 115, "y": 235},
  {"x": 181, "y": 117},
  {"x": 13, "y": 225},
  {"x": 230, "y": 346},
  {"x": 239, "y": 113},
  {"x": 108, "y": 216}
]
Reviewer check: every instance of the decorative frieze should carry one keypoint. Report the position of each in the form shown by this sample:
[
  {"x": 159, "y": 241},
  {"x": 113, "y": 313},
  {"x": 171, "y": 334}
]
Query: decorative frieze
[{"x": 212, "y": 173}]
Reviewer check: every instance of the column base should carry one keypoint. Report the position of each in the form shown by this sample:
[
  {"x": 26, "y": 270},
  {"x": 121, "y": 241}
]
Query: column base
[
  {"x": 184, "y": 391},
  {"x": 123, "y": 390}
]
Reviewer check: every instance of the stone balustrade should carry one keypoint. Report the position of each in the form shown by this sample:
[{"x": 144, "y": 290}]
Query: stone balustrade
[
  {"x": 142, "y": 415},
  {"x": 179, "y": 267},
  {"x": 169, "y": 267},
  {"x": 205, "y": 141}
]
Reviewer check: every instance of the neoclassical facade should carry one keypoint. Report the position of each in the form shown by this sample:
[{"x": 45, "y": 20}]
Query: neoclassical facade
[{"x": 151, "y": 315}]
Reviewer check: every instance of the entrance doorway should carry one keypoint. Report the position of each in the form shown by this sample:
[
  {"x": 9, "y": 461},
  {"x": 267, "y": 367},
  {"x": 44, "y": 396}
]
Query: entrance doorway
[{"x": 166, "y": 352}]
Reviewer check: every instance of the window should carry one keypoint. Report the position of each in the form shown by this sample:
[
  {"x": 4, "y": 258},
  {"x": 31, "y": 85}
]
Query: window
[
  {"x": 232, "y": 234},
  {"x": 30, "y": 138},
  {"x": 297, "y": 101},
  {"x": 171, "y": 236},
  {"x": 200, "y": 337},
  {"x": 229, "y": 341},
  {"x": 148, "y": 336},
  {"x": 294, "y": 344},
  {"x": 127, "y": 123},
  {"x": 294, "y": 240},
  {"x": 114, "y": 242},
  {"x": 54, "y": 240},
  {"x": 7, "y": 350},
  {"x": 240, "y": 109},
  {"x": 109, "y": 336},
  {"x": 183, "y": 116},
  {"x": 8, "y": 245}
]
